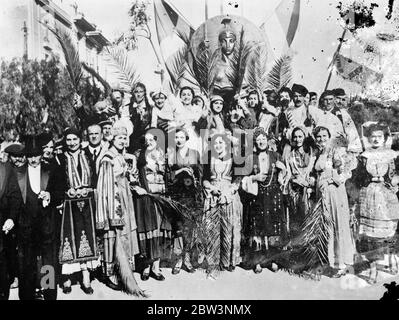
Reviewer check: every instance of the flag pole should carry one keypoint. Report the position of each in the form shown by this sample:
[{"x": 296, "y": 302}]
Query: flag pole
[
  {"x": 206, "y": 18},
  {"x": 341, "y": 40}
]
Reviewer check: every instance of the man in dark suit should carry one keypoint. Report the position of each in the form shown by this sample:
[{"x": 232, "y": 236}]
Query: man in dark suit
[
  {"x": 36, "y": 237},
  {"x": 96, "y": 149},
  {"x": 16, "y": 159},
  {"x": 10, "y": 200}
]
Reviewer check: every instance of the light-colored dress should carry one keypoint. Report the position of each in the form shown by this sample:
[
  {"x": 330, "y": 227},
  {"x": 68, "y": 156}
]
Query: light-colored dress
[
  {"x": 330, "y": 188},
  {"x": 379, "y": 205},
  {"x": 188, "y": 116}
]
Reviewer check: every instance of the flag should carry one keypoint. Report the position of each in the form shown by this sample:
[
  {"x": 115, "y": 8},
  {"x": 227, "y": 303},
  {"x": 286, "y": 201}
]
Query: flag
[
  {"x": 351, "y": 70},
  {"x": 288, "y": 15},
  {"x": 284, "y": 24},
  {"x": 173, "y": 33}
]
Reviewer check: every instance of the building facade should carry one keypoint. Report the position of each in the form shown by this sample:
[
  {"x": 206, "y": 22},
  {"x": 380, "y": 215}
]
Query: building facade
[{"x": 24, "y": 31}]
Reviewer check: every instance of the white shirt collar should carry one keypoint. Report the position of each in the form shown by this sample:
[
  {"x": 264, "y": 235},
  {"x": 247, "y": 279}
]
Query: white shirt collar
[{"x": 34, "y": 178}]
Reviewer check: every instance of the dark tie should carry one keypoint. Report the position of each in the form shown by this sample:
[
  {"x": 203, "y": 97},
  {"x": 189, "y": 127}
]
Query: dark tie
[{"x": 94, "y": 154}]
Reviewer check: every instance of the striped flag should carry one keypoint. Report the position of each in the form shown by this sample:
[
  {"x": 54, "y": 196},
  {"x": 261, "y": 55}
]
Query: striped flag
[
  {"x": 281, "y": 26},
  {"x": 173, "y": 33}
]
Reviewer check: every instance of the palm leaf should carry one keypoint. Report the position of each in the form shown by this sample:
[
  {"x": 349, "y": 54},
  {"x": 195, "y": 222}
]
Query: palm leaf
[
  {"x": 239, "y": 60},
  {"x": 257, "y": 68},
  {"x": 122, "y": 67},
  {"x": 96, "y": 75},
  {"x": 172, "y": 206},
  {"x": 318, "y": 228},
  {"x": 281, "y": 73},
  {"x": 204, "y": 67},
  {"x": 180, "y": 70},
  {"x": 71, "y": 54}
]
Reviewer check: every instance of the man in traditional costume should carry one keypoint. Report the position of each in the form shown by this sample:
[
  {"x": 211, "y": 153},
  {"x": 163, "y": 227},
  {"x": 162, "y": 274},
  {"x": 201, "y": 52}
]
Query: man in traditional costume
[{"x": 337, "y": 120}]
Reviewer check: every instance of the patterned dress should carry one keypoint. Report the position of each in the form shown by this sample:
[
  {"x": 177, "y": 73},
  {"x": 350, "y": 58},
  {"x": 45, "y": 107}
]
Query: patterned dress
[
  {"x": 265, "y": 214},
  {"x": 115, "y": 210},
  {"x": 223, "y": 215},
  {"x": 187, "y": 190},
  {"x": 299, "y": 165},
  {"x": 153, "y": 223},
  {"x": 72, "y": 186},
  {"x": 379, "y": 205}
]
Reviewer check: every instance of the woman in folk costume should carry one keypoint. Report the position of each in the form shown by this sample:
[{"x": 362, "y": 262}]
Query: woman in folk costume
[
  {"x": 379, "y": 205},
  {"x": 327, "y": 235},
  {"x": 140, "y": 111},
  {"x": 192, "y": 117},
  {"x": 216, "y": 118},
  {"x": 163, "y": 112},
  {"x": 299, "y": 162},
  {"x": 222, "y": 207},
  {"x": 265, "y": 214},
  {"x": 71, "y": 185},
  {"x": 115, "y": 218},
  {"x": 153, "y": 226},
  {"x": 185, "y": 188}
]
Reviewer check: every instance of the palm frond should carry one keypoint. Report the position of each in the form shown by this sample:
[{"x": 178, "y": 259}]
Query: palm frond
[
  {"x": 122, "y": 67},
  {"x": 204, "y": 66},
  {"x": 318, "y": 228},
  {"x": 71, "y": 54},
  {"x": 180, "y": 70},
  {"x": 126, "y": 274},
  {"x": 257, "y": 68},
  {"x": 97, "y": 76},
  {"x": 239, "y": 60},
  {"x": 171, "y": 206},
  {"x": 281, "y": 74}
]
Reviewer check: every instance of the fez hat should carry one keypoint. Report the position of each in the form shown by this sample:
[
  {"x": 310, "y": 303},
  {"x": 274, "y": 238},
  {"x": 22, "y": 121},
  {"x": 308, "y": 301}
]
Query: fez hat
[
  {"x": 15, "y": 149},
  {"x": 299, "y": 89}
]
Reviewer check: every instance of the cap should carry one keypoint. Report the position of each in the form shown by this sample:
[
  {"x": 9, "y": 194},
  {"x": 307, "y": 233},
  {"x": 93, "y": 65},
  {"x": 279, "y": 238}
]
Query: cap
[
  {"x": 339, "y": 92},
  {"x": 15, "y": 149},
  {"x": 106, "y": 122},
  {"x": 299, "y": 89}
]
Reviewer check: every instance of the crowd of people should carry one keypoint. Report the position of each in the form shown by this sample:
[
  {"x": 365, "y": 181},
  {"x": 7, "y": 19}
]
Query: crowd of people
[{"x": 277, "y": 180}]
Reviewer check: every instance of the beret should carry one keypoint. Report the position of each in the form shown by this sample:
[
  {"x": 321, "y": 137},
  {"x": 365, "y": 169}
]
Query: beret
[
  {"x": 299, "y": 89},
  {"x": 15, "y": 149}
]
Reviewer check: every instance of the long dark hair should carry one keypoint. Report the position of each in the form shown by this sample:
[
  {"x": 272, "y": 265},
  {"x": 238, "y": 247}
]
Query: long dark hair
[{"x": 133, "y": 99}]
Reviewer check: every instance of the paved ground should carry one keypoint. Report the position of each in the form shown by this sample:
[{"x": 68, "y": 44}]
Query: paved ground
[{"x": 241, "y": 285}]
